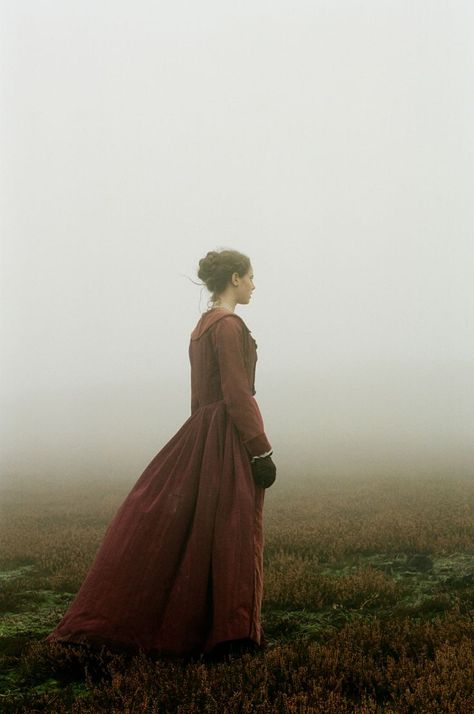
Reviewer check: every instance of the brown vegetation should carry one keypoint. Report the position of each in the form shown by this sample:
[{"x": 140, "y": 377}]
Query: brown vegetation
[{"x": 368, "y": 605}]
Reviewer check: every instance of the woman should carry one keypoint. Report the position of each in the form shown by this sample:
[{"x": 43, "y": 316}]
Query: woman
[{"x": 180, "y": 568}]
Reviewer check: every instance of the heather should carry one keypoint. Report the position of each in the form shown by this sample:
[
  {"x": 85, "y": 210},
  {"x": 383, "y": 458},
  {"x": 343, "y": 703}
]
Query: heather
[{"x": 368, "y": 604}]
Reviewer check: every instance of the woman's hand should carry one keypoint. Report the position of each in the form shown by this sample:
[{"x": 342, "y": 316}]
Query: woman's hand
[{"x": 264, "y": 471}]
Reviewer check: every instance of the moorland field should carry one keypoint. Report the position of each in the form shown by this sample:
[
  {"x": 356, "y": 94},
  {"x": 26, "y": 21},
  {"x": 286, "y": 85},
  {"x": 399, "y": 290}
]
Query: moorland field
[{"x": 368, "y": 604}]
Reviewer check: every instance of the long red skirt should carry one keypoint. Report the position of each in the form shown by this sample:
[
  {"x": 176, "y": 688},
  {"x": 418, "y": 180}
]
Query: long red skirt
[{"x": 180, "y": 567}]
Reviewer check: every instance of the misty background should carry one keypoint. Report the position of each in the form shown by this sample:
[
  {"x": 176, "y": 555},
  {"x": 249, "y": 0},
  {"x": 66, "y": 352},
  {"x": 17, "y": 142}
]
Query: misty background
[{"x": 331, "y": 141}]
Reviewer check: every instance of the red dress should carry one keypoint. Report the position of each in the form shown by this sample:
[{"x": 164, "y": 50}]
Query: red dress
[{"x": 180, "y": 567}]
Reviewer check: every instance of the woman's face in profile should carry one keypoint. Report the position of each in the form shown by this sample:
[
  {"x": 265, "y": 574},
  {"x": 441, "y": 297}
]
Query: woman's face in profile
[{"x": 246, "y": 286}]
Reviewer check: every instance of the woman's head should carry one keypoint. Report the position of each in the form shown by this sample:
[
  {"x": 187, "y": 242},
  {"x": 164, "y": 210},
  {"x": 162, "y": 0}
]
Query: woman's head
[{"x": 228, "y": 276}]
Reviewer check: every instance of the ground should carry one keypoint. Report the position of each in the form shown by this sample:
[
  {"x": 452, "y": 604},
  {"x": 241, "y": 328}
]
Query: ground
[{"x": 368, "y": 604}]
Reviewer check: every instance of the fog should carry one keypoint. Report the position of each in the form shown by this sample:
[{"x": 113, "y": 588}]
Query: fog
[{"x": 331, "y": 142}]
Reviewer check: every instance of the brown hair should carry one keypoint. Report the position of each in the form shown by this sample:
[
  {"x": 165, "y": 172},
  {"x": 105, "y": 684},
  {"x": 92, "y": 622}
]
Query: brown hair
[{"x": 217, "y": 268}]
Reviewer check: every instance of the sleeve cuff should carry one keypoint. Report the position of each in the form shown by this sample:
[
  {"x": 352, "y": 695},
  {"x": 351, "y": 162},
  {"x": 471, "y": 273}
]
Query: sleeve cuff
[{"x": 261, "y": 456}]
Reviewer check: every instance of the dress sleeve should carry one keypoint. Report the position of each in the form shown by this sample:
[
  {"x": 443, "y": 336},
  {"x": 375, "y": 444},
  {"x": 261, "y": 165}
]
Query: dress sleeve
[{"x": 241, "y": 405}]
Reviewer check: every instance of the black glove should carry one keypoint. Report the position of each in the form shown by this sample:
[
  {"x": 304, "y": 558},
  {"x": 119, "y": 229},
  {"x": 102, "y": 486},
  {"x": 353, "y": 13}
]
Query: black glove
[{"x": 264, "y": 471}]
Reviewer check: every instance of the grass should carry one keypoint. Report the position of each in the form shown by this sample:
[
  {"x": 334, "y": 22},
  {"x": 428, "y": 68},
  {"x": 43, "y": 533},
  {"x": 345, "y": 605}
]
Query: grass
[{"x": 368, "y": 605}]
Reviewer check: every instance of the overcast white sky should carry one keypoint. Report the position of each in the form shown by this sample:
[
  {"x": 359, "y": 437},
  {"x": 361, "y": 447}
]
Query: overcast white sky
[{"x": 330, "y": 141}]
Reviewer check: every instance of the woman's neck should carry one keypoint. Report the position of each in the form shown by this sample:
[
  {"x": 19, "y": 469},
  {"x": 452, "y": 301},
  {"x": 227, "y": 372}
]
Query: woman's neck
[{"x": 225, "y": 306}]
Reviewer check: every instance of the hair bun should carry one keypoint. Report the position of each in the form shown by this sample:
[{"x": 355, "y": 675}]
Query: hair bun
[{"x": 208, "y": 264}]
